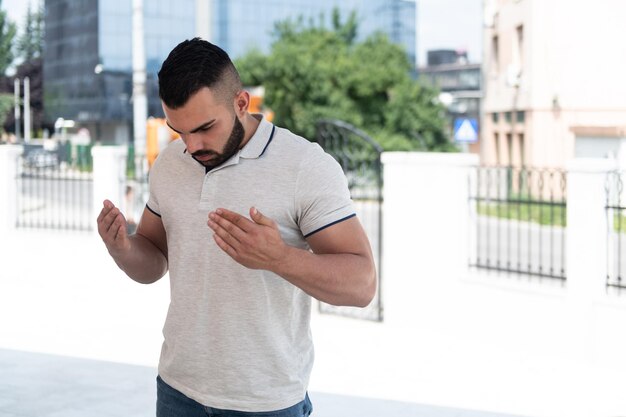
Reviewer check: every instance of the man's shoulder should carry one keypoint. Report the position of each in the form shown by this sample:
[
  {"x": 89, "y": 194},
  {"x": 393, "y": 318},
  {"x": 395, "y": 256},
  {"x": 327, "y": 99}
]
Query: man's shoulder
[
  {"x": 173, "y": 151},
  {"x": 296, "y": 146},
  {"x": 175, "y": 147}
]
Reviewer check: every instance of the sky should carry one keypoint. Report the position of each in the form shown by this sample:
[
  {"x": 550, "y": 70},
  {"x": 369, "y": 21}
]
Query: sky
[
  {"x": 16, "y": 9},
  {"x": 442, "y": 24},
  {"x": 450, "y": 24}
]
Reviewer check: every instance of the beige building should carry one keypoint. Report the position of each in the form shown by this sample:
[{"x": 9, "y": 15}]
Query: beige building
[{"x": 553, "y": 70}]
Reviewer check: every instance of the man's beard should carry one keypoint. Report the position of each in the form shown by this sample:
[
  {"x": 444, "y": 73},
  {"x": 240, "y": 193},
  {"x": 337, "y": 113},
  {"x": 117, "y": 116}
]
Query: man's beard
[{"x": 230, "y": 148}]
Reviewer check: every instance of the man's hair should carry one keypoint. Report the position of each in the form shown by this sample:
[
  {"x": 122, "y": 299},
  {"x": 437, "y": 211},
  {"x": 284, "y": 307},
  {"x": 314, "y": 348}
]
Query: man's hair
[{"x": 195, "y": 64}]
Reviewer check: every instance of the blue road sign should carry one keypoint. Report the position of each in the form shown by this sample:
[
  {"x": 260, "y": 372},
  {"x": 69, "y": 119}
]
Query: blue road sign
[{"x": 466, "y": 130}]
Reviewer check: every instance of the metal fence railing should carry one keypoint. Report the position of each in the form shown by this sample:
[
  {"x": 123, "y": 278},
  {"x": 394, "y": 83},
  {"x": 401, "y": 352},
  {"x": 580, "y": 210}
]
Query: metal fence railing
[
  {"x": 616, "y": 227},
  {"x": 359, "y": 157},
  {"x": 54, "y": 191},
  {"x": 518, "y": 220}
]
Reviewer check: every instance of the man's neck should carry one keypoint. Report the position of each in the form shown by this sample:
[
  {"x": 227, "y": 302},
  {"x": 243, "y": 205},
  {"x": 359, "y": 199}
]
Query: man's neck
[{"x": 250, "y": 124}]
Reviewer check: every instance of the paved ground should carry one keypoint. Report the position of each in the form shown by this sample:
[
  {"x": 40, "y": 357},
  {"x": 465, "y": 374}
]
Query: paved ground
[{"x": 41, "y": 385}]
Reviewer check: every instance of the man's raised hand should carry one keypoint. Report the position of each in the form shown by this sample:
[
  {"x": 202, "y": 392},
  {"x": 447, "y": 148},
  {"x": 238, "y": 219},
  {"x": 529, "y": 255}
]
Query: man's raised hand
[{"x": 112, "y": 228}]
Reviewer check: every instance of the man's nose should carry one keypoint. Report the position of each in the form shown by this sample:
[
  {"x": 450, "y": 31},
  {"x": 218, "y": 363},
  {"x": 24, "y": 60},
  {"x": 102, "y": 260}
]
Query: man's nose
[{"x": 192, "y": 142}]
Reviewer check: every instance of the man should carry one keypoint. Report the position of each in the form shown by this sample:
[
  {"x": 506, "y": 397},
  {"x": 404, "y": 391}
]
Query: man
[{"x": 237, "y": 337}]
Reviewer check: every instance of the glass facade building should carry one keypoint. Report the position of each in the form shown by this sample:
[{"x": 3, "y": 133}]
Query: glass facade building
[
  {"x": 88, "y": 47},
  {"x": 88, "y": 59},
  {"x": 240, "y": 25}
]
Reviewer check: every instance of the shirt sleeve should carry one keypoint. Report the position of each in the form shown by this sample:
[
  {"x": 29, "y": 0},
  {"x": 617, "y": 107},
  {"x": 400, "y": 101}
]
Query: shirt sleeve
[{"x": 322, "y": 194}]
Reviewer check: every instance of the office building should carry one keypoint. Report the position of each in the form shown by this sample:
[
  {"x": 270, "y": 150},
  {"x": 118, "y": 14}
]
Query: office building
[
  {"x": 239, "y": 25},
  {"x": 552, "y": 80},
  {"x": 88, "y": 60}
]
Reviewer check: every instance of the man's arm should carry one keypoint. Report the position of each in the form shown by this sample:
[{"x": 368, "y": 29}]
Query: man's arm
[
  {"x": 340, "y": 271},
  {"x": 143, "y": 255}
]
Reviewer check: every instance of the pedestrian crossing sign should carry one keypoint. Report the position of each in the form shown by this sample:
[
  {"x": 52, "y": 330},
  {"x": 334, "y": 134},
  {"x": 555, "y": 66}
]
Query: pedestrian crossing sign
[{"x": 466, "y": 130}]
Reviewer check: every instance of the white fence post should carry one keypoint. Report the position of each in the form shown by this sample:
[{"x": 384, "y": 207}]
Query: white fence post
[
  {"x": 587, "y": 226},
  {"x": 109, "y": 176},
  {"x": 426, "y": 222},
  {"x": 9, "y": 159}
]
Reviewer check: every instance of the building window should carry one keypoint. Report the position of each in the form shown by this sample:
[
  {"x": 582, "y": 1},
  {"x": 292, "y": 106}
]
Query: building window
[
  {"x": 507, "y": 116},
  {"x": 495, "y": 117},
  {"x": 521, "y": 117},
  {"x": 496, "y": 143},
  {"x": 509, "y": 145},
  {"x": 521, "y": 149}
]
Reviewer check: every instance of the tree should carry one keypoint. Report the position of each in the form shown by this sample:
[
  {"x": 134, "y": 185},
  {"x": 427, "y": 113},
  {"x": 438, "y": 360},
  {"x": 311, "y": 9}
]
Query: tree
[
  {"x": 30, "y": 42},
  {"x": 8, "y": 30},
  {"x": 313, "y": 72},
  {"x": 6, "y": 104},
  {"x": 32, "y": 69},
  {"x": 29, "y": 50}
]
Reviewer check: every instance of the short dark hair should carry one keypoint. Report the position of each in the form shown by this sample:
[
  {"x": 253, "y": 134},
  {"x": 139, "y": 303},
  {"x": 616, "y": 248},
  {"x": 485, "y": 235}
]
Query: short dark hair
[{"x": 192, "y": 65}]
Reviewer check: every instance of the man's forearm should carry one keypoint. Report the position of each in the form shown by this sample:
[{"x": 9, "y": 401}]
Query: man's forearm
[
  {"x": 338, "y": 279},
  {"x": 143, "y": 261}
]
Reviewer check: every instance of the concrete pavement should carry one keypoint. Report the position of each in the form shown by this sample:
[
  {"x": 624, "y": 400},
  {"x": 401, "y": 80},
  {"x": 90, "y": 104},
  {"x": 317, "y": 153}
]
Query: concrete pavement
[{"x": 41, "y": 385}]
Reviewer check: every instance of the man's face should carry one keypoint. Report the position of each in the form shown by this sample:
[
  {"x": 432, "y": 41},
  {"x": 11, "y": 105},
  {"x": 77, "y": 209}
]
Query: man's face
[{"x": 211, "y": 130}]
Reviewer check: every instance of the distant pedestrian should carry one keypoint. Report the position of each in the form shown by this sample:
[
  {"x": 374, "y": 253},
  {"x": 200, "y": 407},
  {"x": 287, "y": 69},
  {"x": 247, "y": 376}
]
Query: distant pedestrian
[{"x": 251, "y": 221}]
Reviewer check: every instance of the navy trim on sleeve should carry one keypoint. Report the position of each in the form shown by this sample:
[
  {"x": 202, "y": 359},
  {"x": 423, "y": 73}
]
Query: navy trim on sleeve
[
  {"x": 330, "y": 224},
  {"x": 152, "y": 211},
  {"x": 268, "y": 142}
]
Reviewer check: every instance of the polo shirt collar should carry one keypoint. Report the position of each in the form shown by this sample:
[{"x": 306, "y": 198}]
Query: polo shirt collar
[{"x": 260, "y": 140}]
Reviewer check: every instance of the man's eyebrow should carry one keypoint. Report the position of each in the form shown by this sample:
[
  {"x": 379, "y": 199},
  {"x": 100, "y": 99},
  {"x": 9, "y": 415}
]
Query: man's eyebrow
[{"x": 203, "y": 126}]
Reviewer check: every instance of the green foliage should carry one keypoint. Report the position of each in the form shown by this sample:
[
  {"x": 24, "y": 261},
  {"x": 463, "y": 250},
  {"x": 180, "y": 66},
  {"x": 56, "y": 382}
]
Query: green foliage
[
  {"x": 6, "y": 104},
  {"x": 30, "y": 42},
  {"x": 314, "y": 72},
  {"x": 526, "y": 212},
  {"x": 8, "y": 30}
]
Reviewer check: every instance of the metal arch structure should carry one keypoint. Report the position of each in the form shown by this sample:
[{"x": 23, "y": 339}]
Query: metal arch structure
[{"x": 360, "y": 158}]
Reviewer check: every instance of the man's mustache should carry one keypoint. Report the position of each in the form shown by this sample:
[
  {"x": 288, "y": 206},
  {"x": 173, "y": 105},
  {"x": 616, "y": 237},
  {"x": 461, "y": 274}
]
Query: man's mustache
[{"x": 203, "y": 152}]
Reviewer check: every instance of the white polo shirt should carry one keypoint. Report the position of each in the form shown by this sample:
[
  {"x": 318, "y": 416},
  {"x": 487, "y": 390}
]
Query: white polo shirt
[{"x": 237, "y": 338}]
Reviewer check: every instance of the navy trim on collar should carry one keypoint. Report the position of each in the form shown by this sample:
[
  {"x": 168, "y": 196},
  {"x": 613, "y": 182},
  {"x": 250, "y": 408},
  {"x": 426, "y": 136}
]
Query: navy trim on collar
[{"x": 268, "y": 142}]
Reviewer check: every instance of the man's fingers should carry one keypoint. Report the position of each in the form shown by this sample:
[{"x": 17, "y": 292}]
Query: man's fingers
[
  {"x": 111, "y": 224},
  {"x": 110, "y": 217},
  {"x": 260, "y": 218},
  {"x": 230, "y": 233},
  {"x": 236, "y": 219},
  {"x": 120, "y": 229},
  {"x": 106, "y": 208},
  {"x": 225, "y": 246}
]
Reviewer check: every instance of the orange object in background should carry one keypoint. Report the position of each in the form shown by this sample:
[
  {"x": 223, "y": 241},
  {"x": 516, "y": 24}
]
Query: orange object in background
[
  {"x": 256, "y": 102},
  {"x": 158, "y": 136}
]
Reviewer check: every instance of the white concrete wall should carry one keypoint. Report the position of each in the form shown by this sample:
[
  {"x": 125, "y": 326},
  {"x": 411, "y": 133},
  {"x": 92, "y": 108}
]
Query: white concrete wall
[
  {"x": 109, "y": 176},
  {"x": 9, "y": 159}
]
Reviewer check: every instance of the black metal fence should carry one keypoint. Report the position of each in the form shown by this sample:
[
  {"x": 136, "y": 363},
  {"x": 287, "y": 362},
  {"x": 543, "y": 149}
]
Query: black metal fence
[
  {"x": 616, "y": 222},
  {"x": 54, "y": 190},
  {"x": 519, "y": 220},
  {"x": 359, "y": 156}
]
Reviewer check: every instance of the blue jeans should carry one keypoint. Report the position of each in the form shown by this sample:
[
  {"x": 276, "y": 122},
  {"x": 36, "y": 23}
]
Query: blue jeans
[{"x": 172, "y": 403}]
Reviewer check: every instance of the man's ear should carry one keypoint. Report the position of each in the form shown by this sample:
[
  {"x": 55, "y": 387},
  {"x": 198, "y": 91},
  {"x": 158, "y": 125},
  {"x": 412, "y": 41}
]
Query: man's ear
[{"x": 242, "y": 103}]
